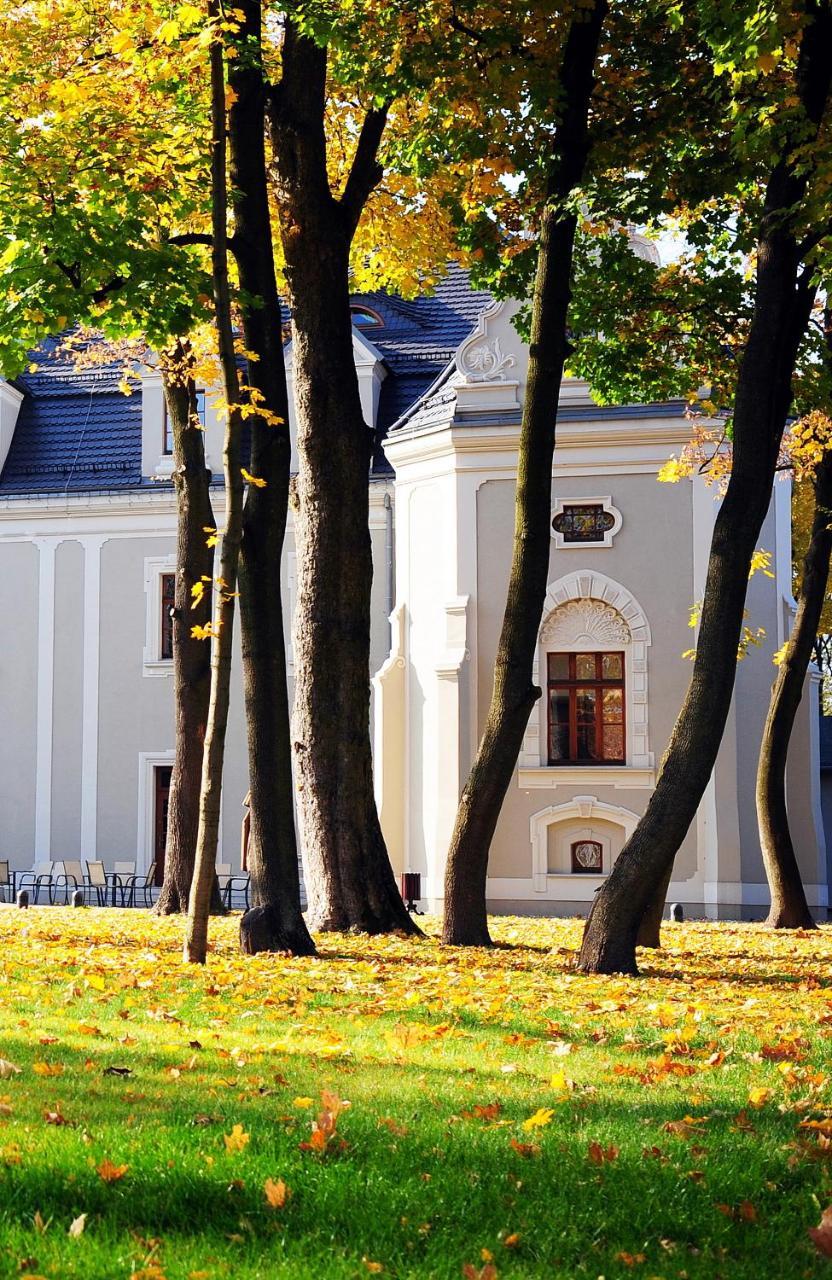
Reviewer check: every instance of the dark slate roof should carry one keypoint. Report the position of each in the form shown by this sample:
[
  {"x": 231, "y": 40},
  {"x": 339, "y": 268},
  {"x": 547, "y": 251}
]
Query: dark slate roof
[{"x": 76, "y": 432}]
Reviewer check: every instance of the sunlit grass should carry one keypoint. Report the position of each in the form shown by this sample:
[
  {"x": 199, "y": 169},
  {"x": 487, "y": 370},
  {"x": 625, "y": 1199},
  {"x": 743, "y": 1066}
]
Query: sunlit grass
[{"x": 669, "y": 1135}]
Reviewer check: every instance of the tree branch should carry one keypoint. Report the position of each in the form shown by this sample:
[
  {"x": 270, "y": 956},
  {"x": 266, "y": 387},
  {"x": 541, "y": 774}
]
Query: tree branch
[{"x": 365, "y": 170}]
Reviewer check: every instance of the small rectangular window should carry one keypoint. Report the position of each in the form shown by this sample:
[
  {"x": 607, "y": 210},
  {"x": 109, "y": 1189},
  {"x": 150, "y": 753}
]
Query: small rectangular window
[
  {"x": 167, "y": 587},
  {"x": 167, "y": 449},
  {"x": 586, "y": 708}
]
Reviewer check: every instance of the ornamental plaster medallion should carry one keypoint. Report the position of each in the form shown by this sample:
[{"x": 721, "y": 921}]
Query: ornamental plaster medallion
[
  {"x": 485, "y": 362},
  {"x": 588, "y": 622}
]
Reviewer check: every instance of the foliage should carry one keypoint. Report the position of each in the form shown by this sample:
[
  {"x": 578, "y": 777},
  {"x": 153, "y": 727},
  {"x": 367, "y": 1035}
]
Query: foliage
[{"x": 475, "y": 1109}]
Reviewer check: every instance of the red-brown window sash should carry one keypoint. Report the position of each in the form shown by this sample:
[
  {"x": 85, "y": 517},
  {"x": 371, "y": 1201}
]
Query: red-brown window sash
[{"x": 573, "y": 686}]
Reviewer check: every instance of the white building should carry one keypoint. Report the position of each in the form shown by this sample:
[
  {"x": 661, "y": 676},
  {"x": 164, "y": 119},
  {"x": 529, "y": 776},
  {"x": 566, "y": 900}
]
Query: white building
[{"x": 87, "y": 537}]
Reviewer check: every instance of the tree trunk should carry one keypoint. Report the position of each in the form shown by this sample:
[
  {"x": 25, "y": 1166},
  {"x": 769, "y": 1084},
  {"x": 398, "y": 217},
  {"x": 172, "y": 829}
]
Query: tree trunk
[
  {"x": 514, "y": 695},
  {"x": 783, "y": 301},
  {"x": 349, "y": 880},
  {"x": 789, "y": 908},
  {"x": 650, "y": 930},
  {"x": 191, "y": 658},
  {"x": 199, "y": 902},
  {"x": 274, "y": 922}
]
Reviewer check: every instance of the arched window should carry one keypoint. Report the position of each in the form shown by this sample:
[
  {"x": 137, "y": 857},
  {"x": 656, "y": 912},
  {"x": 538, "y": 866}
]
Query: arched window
[
  {"x": 591, "y": 659},
  {"x": 587, "y": 857},
  {"x": 364, "y": 317}
]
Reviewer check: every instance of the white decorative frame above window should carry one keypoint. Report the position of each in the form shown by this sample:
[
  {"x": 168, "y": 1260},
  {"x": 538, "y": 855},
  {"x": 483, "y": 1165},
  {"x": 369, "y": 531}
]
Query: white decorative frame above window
[
  {"x": 606, "y": 538},
  {"x": 583, "y": 808},
  {"x": 153, "y": 663},
  {"x": 586, "y": 612}
]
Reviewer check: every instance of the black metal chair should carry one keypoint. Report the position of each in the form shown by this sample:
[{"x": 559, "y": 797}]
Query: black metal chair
[
  {"x": 95, "y": 882},
  {"x": 6, "y": 882},
  {"x": 230, "y": 884},
  {"x": 139, "y": 884},
  {"x": 70, "y": 878},
  {"x": 40, "y": 877}
]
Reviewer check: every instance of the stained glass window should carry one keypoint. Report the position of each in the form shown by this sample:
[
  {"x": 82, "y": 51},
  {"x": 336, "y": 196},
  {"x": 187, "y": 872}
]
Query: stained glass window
[
  {"x": 587, "y": 857},
  {"x": 583, "y": 522}
]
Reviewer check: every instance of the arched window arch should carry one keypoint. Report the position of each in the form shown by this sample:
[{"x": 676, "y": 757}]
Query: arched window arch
[
  {"x": 590, "y": 621},
  {"x": 365, "y": 317}
]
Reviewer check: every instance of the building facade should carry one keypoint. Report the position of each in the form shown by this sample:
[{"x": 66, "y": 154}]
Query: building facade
[{"x": 87, "y": 544}]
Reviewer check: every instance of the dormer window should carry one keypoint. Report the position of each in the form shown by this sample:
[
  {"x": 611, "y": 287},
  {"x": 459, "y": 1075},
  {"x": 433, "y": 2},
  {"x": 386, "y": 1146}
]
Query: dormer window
[
  {"x": 365, "y": 318},
  {"x": 168, "y": 426}
]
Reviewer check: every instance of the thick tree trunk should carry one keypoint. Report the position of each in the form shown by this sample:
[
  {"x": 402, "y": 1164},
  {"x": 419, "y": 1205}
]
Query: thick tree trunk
[
  {"x": 349, "y": 881},
  {"x": 650, "y": 930},
  {"x": 275, "y": 922},
  {"x": 783, "y": 301},
  {"x": 199, "y": 902},
  {"x": 514, "y": 695},
  {"x": 789, "y": 908},
  {"x": 191, "y": 658}
]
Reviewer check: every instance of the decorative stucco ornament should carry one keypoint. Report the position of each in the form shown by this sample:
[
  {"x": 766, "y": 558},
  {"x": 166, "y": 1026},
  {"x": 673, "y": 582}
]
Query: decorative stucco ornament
[
  {"x": 485, "y": 362},
  {"x": 589, "y": 622}
]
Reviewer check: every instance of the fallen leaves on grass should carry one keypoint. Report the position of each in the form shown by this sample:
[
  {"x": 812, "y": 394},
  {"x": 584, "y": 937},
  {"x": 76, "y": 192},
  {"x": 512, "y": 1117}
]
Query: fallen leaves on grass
[
  {"x": 76, "y": 1227},
  {"x": 821, "y": 1235},
  {"x": 109, "y": 1172},
  {"x": 237, "y": 1140},
  {"x": 276, "y": 1192}
]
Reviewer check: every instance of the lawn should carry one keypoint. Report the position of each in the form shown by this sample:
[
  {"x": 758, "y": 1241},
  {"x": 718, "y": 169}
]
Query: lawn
[{"x": 400, "y": 1109}]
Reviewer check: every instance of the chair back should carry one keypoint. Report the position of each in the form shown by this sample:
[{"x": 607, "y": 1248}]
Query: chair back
[
  {"x": 96, "y": 875},
  {"x": 43, "y": 868},
  {"x": 223, "y": 868},
  {"x": 4, "y": 873},
  {"x": 124, "y": 868},
  {"x": 74, "y": 869},
  {"x": 151, "y": 874}
]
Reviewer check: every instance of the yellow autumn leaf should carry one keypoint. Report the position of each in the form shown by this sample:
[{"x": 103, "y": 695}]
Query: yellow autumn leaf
[
  {"x": 758, "y": 1097},
  {"x": 237, "y": 1140},
  {"x": 302, "y": 1102},
  {"x": 109, "y": 1172},
  {"x": 250, "y": 479},
  {"x": 539, "y": 1120},
  {"x": 276, "y": 1192}
]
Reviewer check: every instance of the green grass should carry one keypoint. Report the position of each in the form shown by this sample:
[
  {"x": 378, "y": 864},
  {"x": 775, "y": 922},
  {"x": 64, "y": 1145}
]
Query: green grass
[{"x": 414, "y": 1037}]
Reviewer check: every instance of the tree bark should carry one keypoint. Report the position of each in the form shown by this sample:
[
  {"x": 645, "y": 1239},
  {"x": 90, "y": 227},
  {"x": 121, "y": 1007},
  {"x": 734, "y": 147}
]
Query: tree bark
[
  {"x": 275, "y": 921},
  {"x": 650, "y": 930},
  {"x": 783, "y": 301},
  {"x": 199, "y": 902},
  {"x": 191, "y": 658},
  {"x": 789, "y": 908},
  {"x": 514, "y": 694},
  {"x": 349, "y": 880}
]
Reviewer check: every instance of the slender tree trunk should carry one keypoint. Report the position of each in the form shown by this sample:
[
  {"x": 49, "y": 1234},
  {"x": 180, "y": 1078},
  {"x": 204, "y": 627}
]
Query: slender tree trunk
[
  {"x": 275, "y": 922},
  {"x": 789, "y": 908},
  {"x": 199, "y": 902},
  {"x": 191, "y": 658},
  {"x": 514, "y": 694},
  {"x": 349, "y": 881},
  {"x": 783, "y": 302}
]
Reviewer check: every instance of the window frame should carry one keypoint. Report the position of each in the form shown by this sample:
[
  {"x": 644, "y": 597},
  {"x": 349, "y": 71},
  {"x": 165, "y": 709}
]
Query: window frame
[
  {"x": 165, "y": 619},
  {"x": 577, "y": 869},
  {"x": 575, "y": 500},
  {"x": 574, "y": 684},
  {"x": 167, "y": 429}
]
